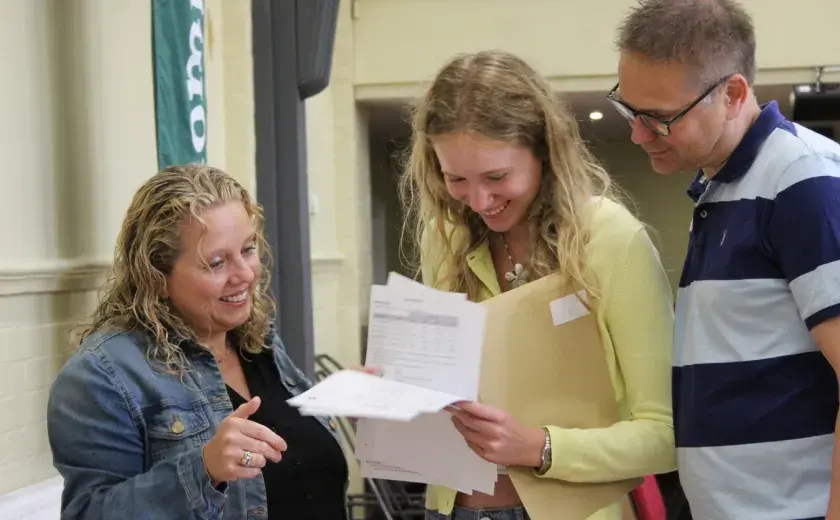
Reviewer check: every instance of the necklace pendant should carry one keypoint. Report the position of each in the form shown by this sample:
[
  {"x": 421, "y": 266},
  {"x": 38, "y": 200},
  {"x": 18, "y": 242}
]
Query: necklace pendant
[{"x": 518, "y": 277}]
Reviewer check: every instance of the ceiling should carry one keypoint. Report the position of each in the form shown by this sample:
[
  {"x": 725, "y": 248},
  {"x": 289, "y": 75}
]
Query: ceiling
[{"x": 389, "y": 120}]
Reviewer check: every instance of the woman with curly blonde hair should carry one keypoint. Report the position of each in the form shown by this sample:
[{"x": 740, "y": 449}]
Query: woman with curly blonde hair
[
  {"x": 499, "y": 190},
  {"x": 174, "y": 405}
]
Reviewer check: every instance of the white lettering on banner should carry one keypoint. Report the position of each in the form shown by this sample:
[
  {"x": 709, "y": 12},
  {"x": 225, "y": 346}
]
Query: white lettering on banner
[{"x": 195, "y": 82}]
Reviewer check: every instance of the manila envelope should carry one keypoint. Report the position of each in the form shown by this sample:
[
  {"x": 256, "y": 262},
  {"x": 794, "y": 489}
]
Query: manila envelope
[{"x": 549, "y": 375}]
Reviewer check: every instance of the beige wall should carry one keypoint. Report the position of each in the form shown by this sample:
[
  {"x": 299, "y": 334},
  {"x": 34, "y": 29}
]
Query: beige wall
[
  {"x": 77, "y": 137},
  {"x": 230, "y": 89},
  {"x": 660, "y": 202},
  {"x": 339, "y": 182},
  {"x": 569, "y": 41}
]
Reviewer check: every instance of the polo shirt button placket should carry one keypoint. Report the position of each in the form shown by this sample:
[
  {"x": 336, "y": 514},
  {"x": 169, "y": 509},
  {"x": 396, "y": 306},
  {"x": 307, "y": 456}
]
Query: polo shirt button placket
[{"x": 699, "y": 227}]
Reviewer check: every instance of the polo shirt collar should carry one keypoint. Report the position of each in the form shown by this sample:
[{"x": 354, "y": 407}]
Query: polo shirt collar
[{"x": 747, "y": 150}]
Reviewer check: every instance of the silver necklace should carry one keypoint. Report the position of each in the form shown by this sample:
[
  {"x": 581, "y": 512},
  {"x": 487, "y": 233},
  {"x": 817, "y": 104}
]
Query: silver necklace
[
  {"x": 221, "y": 359},
  {"x": 519, "y": 276}
]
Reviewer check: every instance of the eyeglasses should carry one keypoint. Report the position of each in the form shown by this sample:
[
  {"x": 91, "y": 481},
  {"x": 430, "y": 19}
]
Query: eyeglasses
[{"x": 655, "y": 124}]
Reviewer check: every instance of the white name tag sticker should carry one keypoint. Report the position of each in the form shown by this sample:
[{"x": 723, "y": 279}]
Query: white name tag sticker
[{"x": 568, "y": 308}]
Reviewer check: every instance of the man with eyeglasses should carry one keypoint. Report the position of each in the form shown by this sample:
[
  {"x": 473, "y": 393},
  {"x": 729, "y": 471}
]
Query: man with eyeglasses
[{"x": 757, "y": 336}]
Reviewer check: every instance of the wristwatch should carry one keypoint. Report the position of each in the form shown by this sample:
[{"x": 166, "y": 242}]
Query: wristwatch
[{"x": 545, "y": 456}]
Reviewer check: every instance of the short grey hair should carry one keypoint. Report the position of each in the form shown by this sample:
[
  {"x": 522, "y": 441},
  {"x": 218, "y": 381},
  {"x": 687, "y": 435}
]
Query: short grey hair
[{"x": 713, "y": 37}]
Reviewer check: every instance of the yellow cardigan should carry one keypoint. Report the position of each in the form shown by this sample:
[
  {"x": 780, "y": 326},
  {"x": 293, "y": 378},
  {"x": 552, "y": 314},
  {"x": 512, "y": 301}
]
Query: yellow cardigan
[{"x": 635, "y": 317}]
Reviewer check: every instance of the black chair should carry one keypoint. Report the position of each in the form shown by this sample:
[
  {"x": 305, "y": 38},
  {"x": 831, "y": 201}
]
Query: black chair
[
  {"x": 676, "y": 505},
  {"x": 382, "y": 499}
]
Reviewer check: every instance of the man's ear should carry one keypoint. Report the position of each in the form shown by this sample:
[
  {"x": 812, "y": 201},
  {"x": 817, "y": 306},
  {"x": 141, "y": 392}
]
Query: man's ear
[{"x": 737, "y": 92}]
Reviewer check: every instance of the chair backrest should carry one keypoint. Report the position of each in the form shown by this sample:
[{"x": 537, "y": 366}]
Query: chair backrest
[{"x": 392, "y": 497}]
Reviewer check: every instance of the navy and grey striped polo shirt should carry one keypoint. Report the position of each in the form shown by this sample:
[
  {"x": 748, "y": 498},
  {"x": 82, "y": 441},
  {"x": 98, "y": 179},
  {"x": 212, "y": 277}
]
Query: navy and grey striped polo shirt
[{"x": 755, "y": 401}]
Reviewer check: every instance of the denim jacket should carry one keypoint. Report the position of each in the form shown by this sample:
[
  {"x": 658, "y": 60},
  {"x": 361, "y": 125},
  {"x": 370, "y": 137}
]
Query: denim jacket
[{"x": 127, "y": 438}]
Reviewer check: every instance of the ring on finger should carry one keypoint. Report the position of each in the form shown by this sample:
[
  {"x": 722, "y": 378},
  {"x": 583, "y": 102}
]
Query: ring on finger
[{"x": 246, "y": 459}]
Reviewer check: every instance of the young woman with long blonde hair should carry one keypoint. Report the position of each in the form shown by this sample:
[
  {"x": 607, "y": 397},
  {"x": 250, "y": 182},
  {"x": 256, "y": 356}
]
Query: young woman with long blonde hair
[{"x": 499, "y": 190}]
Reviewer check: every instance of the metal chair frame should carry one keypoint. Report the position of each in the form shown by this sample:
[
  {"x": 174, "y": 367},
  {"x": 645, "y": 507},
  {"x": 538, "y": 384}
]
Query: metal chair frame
[{"x": 390, "y": 499}]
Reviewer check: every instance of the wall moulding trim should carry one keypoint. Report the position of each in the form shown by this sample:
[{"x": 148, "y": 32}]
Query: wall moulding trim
[
  {"x": 402, "y": 92},
  {"x": 84, "y": 274},
  {"x": 327, "y": 258},
  {"x": 53, "y": 276}
]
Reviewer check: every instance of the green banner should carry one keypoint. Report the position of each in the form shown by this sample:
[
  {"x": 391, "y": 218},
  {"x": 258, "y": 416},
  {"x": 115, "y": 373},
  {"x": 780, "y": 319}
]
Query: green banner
[{"x": 180, "y": 103}]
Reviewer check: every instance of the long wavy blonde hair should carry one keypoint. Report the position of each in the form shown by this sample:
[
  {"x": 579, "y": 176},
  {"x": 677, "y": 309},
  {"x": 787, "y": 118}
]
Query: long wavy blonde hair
[
  {"x": 148, "y": 245},
  {"x": 497, "y": 95}
]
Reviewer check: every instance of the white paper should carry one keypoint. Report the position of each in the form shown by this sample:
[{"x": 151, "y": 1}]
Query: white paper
[
  {"x": 351, "y": 393},
  {"x": 431, "y": 339},
  {"x": 437, "y": 449},
  {"x": 568, "y": 308},
  {"x": 426, "y": 340},
  {"x": 366, "y": 437},
  {"x": 378, "y": 470}
]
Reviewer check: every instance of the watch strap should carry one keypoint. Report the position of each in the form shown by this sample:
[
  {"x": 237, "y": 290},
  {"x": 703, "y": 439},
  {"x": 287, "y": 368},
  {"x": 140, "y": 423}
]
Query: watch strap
[{"x": 545, "y": 456}]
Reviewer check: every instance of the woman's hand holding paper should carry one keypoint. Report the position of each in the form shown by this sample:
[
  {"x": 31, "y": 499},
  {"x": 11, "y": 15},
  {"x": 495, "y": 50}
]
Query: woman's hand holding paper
[
  {"x": 496, "y": 436},
  {"x": 374, "y": 371}
]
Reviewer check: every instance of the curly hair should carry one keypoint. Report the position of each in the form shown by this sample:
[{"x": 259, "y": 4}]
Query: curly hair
[
  {"x": 498, "y": 95},
  {"x": 148, "y": 245}
]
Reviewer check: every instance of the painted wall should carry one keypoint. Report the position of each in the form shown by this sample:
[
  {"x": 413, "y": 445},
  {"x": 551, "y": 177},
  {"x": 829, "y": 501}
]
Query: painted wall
[
  {"x": 569, "y": 41},
  {"x": 77, "y": 137}
]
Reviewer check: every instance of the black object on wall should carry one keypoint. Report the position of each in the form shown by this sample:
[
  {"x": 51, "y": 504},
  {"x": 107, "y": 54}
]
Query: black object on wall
[
  {"x": 820, "y": 102},
  {"x": 293, "y": 44},
  {"x": 817, "y": 107}
]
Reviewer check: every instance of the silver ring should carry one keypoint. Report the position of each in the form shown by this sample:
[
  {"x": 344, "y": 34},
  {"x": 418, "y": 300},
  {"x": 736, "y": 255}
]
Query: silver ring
[{"x": 246, "y": 459}]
